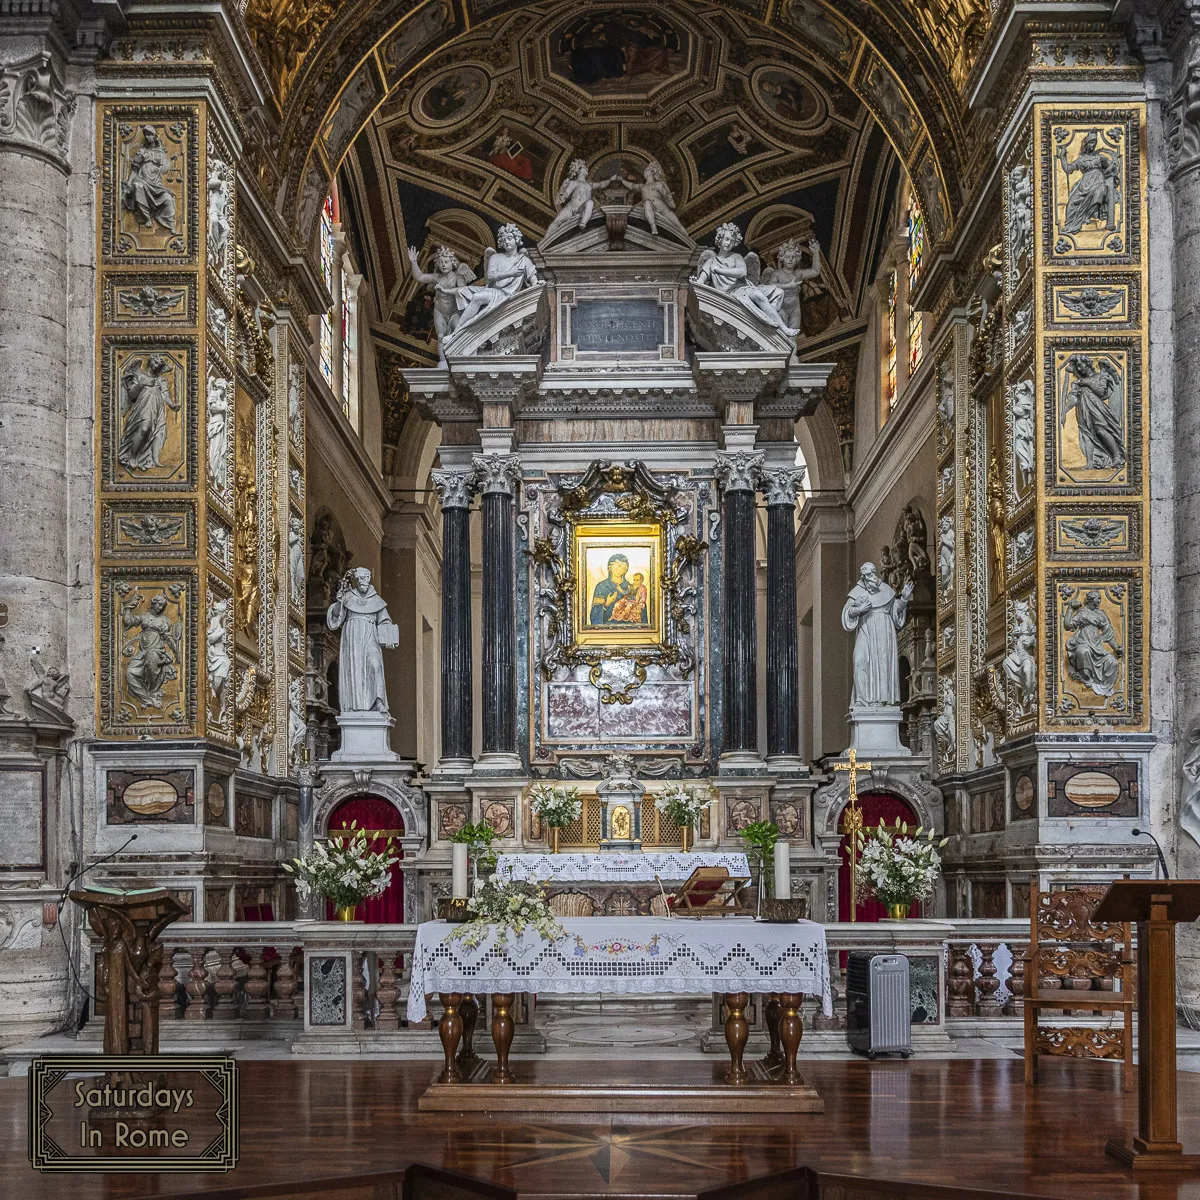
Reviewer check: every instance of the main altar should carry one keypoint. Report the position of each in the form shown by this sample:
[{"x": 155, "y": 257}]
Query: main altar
[{"x": 621, "y": 411}]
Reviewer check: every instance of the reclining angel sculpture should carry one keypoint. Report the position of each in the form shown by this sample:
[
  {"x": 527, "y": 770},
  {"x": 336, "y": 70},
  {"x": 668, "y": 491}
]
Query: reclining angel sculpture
[
  {"x": 507, "y": 269},
  {"x": 740, "y": 277}
]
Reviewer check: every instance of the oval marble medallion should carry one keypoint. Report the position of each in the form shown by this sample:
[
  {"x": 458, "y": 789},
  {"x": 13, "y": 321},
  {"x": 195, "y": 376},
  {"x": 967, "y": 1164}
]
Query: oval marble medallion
[
  {"x": 1023, "y": 793},
  {"x": 1092, "y": 789},
  {"x": 149, "y": 797}
]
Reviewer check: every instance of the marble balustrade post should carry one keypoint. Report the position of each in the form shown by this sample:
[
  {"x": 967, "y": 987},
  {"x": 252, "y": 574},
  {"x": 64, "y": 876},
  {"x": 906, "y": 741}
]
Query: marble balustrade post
[
  {"x": 779, "y": 488},
  {"x": 497, "y": 477},
  {"x": 456, "y": 489},
  {"x": 738, "y": 476}
]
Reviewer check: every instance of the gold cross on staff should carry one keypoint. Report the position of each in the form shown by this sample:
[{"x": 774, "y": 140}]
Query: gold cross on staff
[{"x": 852, "y": 822}]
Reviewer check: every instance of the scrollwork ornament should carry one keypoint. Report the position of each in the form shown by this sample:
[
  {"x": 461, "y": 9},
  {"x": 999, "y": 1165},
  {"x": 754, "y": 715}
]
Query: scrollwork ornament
[{"x": 739, "y": 471}]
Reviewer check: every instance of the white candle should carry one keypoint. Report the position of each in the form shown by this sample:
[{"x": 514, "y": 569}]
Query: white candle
[
  {"x": 783, "y": 871},
  {"x": 459, "y": 871}
]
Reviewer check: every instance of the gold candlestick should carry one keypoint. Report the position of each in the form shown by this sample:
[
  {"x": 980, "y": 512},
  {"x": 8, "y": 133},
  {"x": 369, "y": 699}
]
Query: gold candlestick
[{"x": 852, "y": 822}]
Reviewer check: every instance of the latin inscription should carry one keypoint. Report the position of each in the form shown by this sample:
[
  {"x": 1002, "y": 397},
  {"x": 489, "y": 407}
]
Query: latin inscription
[{"x": 612, "y": 326}]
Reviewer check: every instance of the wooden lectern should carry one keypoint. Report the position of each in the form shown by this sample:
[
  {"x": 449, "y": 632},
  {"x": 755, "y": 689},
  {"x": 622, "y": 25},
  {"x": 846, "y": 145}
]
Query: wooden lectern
[
  {"x": 129, "y": 922},
  {"x": 1156, "y": 906}
]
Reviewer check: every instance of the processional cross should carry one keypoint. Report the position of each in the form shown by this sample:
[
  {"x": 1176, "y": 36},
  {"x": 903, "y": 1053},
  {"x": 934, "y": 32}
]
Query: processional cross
[{"x": 852, "y": 821}]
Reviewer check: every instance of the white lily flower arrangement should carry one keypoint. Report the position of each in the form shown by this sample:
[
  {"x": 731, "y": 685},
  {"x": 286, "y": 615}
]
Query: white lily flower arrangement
[
  {"x": 898, "y": 867},
  {"x": 504, "y": 907},
  {"x": 556, "y": 804},
  {"x": 683, "y": 804},
  {"x": 347, "y": 872}
]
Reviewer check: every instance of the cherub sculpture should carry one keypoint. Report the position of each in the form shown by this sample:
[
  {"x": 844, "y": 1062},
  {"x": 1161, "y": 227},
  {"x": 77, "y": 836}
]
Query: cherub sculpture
[
  {"x": 789, "y": 277},
  {"x": 507, "y": 269},
  {"x": 657, "y": 205},
  {"x": 448, "y": 277},
  {"x": 739, "y": 276},
  {"x": 575, "y": 202}
]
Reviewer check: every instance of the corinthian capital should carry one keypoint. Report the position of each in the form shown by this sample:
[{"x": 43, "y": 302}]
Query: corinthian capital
[
  {"x": 497, "y": 473},
  {"x": 455, "y": 488},
  {"x": 35, "y": 106},
  {"x": 781, "y": 486},
  {"x": 739, "y": 472}
]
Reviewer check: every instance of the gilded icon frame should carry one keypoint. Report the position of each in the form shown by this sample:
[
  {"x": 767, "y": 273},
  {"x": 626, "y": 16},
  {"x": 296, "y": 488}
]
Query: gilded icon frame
[{"x": 593, "y": 545}]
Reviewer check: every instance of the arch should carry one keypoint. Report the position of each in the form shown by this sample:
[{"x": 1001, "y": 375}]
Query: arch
[
  {"x": 361, "y": 53},
  {"x": 878, "y": 808},
  {"x": 920, "y": 795},
  {"x": 375, "y": 813},
  {"x": 408, "y": 801}
]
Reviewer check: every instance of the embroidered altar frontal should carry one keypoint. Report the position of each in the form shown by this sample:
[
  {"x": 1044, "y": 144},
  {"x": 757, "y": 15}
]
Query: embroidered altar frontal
[
  {"x": 613, "y": 867},
  {"x": 626, "y": 956}
]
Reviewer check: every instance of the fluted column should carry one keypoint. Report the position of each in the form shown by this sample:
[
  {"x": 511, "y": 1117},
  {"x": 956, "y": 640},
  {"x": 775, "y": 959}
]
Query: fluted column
[
  {"x": 456, "y": 489},
  {"x": 738, "y": 474},
  {"x": 779, "y": 489},
  {"x": 497, "y": 477}
]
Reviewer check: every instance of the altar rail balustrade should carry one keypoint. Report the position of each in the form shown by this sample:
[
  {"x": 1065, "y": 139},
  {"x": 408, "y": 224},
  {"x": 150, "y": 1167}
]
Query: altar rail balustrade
[{"x": 282, "y": 979}]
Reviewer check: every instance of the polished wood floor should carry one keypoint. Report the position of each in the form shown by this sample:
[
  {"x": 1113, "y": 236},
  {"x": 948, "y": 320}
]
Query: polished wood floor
[{"x": 968, "y": 1123}]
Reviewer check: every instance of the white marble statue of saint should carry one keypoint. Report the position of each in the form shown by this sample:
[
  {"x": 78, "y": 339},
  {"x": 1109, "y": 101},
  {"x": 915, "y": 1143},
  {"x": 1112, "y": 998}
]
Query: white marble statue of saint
[
  {"x": 575, "y": 200},
  {"x": 873, "y": 612},
  {"x": 507, "y": 269},
  {"x": 738, "y": 276},
  {"x": 361, "y": 614}
]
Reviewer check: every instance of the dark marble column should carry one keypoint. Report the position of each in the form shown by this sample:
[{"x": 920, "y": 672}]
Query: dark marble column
[
  {"x": 779, "y": 488},
  {"x": 456, "y": 488},
  {"x": 738, "y": 474},
  {"x": 497, "y": 477}
]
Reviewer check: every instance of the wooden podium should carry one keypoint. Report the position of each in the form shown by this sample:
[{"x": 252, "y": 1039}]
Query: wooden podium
[
  {"x": 129, "y": 921},
  {"x": 1157, "y": 906}
]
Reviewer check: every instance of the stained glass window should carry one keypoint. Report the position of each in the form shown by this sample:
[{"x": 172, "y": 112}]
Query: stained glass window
[
  {"x": 327, "y": 249},
  {"x": 889, "y": 386},
  {"x": 347, "y": 343},
  {"x": 916, "y": 249}
]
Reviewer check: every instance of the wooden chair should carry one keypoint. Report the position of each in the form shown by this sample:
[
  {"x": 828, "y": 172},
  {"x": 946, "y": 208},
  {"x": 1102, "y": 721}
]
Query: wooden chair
[{"x": 1074, "y": 964}]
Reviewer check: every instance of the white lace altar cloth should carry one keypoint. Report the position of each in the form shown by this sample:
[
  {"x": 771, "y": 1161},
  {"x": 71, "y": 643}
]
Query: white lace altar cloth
[
  {"x": 629, "y": 956},
  {"x": 613, "y": 867}
]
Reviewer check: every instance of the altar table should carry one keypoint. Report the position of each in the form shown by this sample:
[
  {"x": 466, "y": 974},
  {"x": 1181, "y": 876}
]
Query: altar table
[
  {"x": 613, "y": 866},
  {"x": 629, "y": 956}
]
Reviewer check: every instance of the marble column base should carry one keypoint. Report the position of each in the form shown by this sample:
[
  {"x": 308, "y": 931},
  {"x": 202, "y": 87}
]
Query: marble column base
[
  {"x": 875, "y": 729},
  {"x": 740, "y": 762},
  {"x": 365, "y": 737},
  {"x": 454, "y": 766},
  {"x": 498, "y": 763}
]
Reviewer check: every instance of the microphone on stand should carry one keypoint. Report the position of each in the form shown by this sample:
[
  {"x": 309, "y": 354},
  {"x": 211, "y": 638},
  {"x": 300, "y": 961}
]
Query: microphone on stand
[
  {"x": 84, "y": 870},
  {"x": 1162, "y": 862}
]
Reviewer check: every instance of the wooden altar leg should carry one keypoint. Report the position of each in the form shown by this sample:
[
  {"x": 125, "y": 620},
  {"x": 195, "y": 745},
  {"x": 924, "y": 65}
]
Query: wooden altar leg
[
  {"x": 450, "y": 1029},
  {"x": 737, "y": 1032},
  {"x": 791, "y": 1030},
  {"x": 469, "y": 1011},
  {"x": 502, "y": 1036},
  {"x": 771, "y": 1012}
]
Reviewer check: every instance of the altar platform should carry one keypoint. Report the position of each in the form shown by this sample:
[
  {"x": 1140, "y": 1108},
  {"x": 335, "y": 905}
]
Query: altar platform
[{"x": 970, "y": 1126}]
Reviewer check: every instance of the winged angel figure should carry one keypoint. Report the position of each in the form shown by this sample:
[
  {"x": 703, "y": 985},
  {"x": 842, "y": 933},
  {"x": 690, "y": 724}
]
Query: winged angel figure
[
  {"x": 740, "y": 276},
  {"x": 506, "y": 271}
]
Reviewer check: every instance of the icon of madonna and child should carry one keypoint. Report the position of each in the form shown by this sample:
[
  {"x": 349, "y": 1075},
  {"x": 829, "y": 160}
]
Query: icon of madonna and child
[{"x": 620, "y": 598}]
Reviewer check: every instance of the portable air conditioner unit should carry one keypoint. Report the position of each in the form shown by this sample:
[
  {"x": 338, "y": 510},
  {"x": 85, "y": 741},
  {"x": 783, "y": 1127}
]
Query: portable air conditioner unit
[{"x": 878, "y": 1017}]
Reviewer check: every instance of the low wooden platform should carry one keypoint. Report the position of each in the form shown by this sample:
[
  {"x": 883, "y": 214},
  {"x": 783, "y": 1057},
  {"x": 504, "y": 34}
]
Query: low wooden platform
[{"x": 917, "y": 1130}]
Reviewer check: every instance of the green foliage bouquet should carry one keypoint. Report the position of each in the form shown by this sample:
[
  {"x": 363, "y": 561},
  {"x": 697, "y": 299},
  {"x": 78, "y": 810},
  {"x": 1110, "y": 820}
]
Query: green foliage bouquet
[
  {"x": 556, "y": 804},
  {"x": 479, "y": 838},
  {"x": 760, "y": 838},
  {"x": 347, "y": 872},
  {"x": 683, "y": 805},
  {"x": 897, "y": 867},
  {"x": 505, "y": 907}
]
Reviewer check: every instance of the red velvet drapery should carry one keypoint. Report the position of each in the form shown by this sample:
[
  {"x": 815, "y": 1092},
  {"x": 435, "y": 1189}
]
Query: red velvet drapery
[
  {"x": 373, "y": 812},
  {"x": 877, "y": 808}
]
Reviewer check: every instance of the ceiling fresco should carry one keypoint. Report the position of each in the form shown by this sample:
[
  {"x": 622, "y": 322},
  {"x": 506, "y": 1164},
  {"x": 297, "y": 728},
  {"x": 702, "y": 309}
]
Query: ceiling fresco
[
  {"x": 908, "y": 61},
  {"x": 744, "y": 127}
]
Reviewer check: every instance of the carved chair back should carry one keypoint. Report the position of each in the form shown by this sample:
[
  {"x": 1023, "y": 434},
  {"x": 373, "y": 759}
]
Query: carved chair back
[{"x": 1066, "y": 944}]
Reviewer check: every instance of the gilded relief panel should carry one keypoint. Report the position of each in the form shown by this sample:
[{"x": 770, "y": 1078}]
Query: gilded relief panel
[
  {"x": 148, "y": 407},
  {"x": 144, "y": 299},
  {"x": 1079, "y": 533},
  {"x": 1097, "y": 666},
  {"x": 150, "y": 183},
  {"x": 147, "y": 669},
  {"x": 1094, "y": 427},
  {"x": 1107, "y": 301},
  {"x": 247, "y": 580},
  {"x": 1092, "y": 170},
  {"x": 147, "y": 529}
]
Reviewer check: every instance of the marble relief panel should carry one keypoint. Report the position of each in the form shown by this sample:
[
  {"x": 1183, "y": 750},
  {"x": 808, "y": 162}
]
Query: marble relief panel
[
  {"x": 147, "y": 668},
  {"x": 150, "y": 186},
  {"x": 218, "y": 657},
  {"x": 149, "y": 412}
]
